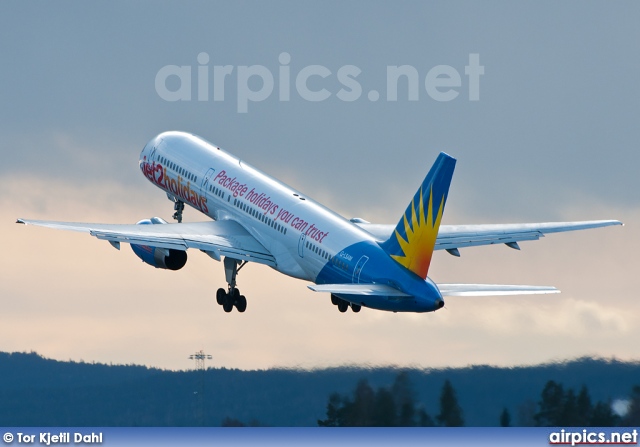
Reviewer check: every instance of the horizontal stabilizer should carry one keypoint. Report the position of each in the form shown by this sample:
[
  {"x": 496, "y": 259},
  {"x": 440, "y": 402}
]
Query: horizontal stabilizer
[
  {"x": 492, "y": 290},
  {"x": 358, "y": 289}
]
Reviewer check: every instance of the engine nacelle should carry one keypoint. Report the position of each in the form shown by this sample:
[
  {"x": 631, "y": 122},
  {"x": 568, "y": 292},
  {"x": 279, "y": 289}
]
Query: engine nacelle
[{"x": 162, "y": 258}]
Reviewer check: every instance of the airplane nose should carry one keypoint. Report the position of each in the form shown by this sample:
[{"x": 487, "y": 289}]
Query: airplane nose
[
  {"x": 145, "y": 154},
  {"x": 439, "y": 303}
]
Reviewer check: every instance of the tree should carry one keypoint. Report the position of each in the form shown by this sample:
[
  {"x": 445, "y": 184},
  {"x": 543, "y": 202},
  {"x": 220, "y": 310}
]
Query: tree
[
  {"x": 603, "y": 416},
  {"x": 384, "y": 412},
  {"x": 562, "y": 408},
  {"x": 632, "y": 418},
  {"x": 359, "y": 413},
  {"x": 450, "y": 412},
  {"x": 505, "y": 418},
  {"x": 568, "y": 414},
  {"x": 403, "y": 396},
  {"x": 551, "y": 405},
  {"x": 423, "y": 419},
  {"x": 335, "y": 416},
  {"x": 584, "y": 409},
  {"x": 385, "y": 407},
  {"x": 344, "y": 412}
]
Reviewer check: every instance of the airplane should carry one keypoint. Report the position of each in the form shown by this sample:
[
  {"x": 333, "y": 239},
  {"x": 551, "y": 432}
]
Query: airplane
[{"x": 256, "y": 218}]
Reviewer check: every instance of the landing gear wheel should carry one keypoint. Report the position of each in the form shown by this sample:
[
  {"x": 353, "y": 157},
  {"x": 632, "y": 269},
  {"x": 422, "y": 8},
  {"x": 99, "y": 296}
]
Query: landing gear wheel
[
  {"x": 356, "y": 308},
  {"x": 343, "y": 306},
  {"x": 334, "y": 300},
  {"x": 220, "y": 294},
  {"x": 231, "y": 297},
  {"x": 228, "y": 303},
  {"x": 241, "y": 303}
]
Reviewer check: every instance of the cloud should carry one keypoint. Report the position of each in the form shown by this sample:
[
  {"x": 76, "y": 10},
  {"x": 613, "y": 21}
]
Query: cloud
[
  {"x": 72, "y": 296},
  {"x": 552, "y": 316},
  {"x": 551, "y": 138}
]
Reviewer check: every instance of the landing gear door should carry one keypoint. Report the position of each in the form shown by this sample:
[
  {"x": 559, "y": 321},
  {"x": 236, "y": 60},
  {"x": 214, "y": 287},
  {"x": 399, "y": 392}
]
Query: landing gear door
[
  {"x": 358, "y": 269},
  {"x": 303, "y": 238}
]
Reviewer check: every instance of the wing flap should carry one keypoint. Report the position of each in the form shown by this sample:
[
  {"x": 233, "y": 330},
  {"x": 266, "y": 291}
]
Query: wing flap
[
  {"x": 492, "y": 290},
  {"x": 225, "y": 237},
  {"x": 141, "y": 240},
  {"x": 447, "y": 242},
  {"x": 358, "y": 289}
]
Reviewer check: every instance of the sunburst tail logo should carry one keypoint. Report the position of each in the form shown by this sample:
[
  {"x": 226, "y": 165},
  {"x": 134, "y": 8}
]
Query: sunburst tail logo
[{"x": 414, "y": 238}]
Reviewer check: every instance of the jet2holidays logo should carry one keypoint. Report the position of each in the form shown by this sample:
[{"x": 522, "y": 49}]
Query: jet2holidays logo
[{"x": 256, "y": 83}]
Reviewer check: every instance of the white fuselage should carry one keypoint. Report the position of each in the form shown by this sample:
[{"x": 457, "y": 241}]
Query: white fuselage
[{"x": 302, "y": 235}]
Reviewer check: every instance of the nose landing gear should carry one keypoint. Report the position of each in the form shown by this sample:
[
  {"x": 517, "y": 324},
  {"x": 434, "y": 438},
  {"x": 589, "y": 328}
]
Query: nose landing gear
[{"x": 179, "y": 208}]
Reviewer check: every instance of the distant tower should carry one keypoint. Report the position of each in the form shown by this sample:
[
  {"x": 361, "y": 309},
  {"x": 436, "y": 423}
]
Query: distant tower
[{"x": 200, "y": 357}]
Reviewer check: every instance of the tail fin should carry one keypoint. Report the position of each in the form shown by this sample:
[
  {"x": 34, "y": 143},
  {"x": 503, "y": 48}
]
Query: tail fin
[{"x": 414, "y": 238}]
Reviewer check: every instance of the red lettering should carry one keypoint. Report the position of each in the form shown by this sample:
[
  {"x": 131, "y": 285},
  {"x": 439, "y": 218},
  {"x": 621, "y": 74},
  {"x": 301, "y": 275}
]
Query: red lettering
[
  {"x": 161, "y": 176},
  {"x": 220, "y": 174}
]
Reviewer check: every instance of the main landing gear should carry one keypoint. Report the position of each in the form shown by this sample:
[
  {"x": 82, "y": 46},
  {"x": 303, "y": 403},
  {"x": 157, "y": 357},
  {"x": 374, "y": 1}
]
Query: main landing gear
[
  {"x": 344, "y": 305},
  {"x": 229, "y": 299}
]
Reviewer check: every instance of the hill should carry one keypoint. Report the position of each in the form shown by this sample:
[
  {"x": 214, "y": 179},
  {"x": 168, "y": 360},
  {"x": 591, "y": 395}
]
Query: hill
[{"x": 42, "y": 392}]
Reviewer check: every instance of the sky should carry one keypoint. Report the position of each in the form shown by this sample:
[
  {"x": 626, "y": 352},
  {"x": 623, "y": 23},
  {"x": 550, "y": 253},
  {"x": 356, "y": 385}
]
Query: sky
[{"x": 549, "y": 133}]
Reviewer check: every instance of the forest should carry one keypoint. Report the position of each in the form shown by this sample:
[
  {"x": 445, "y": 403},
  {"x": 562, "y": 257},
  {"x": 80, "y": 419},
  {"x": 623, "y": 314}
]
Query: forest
[{"x": 36, "y": 391}]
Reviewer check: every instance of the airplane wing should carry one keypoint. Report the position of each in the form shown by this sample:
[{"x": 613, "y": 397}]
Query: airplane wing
[
  {"x": 452, "y": 237},
  {"x": 219, "y": 238},
  {"x": 492, "y": 290}
]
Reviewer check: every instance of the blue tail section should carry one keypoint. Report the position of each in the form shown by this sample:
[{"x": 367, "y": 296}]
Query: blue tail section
[{"x": 414, "y": 238}]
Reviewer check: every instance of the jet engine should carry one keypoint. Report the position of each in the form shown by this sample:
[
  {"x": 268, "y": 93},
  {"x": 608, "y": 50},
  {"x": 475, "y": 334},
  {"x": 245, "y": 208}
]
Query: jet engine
[{"x": 161, "y": 258}]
